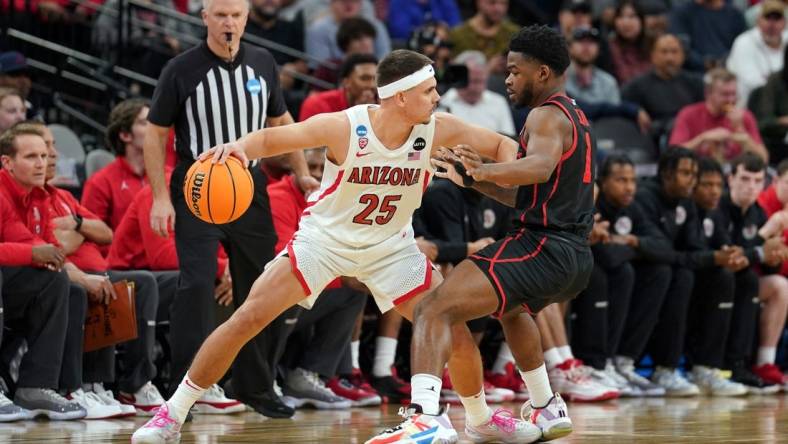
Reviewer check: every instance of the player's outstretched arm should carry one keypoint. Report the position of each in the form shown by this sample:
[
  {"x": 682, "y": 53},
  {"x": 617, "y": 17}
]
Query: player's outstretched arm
[
  {"x": 319, "y": 130},
  {"x": 445, "y": 162},
  {"x": 451, "y": 131},
  {"x": 546, "y": 129}
]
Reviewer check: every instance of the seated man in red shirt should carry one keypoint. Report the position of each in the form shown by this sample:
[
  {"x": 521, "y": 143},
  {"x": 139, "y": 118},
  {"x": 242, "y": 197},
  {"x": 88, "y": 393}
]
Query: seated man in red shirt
[
  {"x": 775, "y": 198},
  {"x": 319, "y": 348},
  {"x": 57, "y": 217},
  {"x": 358, "y": 74},
  {"x": 716, "y": 127},
  {"x": 109, "y": 191},
  {"x": 30, "y": 277}
]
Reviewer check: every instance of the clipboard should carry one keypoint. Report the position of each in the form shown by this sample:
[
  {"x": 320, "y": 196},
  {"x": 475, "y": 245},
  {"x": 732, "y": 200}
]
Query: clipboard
[{"x": 113, "y": 323}]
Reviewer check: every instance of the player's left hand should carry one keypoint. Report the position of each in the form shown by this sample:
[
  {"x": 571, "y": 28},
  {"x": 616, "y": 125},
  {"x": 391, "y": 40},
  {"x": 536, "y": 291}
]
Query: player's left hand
[
  {"x": 220, "y": 153},
  {"x": 472, "y": 161},
  {"x": 307, "y": 185}
]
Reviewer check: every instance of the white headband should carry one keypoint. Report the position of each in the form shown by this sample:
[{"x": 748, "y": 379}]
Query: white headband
[{"x": 406, "y": 83}]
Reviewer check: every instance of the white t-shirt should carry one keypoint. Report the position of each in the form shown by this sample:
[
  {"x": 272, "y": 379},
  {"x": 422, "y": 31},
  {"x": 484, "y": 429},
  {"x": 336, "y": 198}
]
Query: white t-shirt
[
  {"x": 753, "y": 61},
  {"x": 491, "y": 111}
]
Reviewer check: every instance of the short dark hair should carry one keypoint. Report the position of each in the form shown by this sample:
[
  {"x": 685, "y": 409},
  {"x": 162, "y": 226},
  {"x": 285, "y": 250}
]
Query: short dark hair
[
  {"x": 8, "y": 137},
  {"x": 750, "y": 161},
  {"x": 670, "y": 159},
  {"x": 354, "y": 60},
  {"x": 610, "y": 161},
  {"x": 400, "y": 63},
  {"x": 353, "y": 29},
  {"x": 544, "y": 44},
  {"x": 708, "y": 165},
  {"x": 121, "y": 119},
  {"x": 782, "y": 167}
]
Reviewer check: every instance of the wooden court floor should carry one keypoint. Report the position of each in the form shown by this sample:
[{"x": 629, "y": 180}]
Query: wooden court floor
[{"x": 700, "y": 420}]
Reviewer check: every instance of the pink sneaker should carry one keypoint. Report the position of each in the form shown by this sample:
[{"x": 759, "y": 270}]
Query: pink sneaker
[
  {"x": 161, "y": 429},
  {"x": 503, "y": 427}
]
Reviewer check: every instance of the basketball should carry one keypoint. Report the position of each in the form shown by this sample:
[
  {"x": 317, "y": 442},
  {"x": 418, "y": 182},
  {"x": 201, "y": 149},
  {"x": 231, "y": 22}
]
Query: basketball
[{"x": 218, "y": 193}]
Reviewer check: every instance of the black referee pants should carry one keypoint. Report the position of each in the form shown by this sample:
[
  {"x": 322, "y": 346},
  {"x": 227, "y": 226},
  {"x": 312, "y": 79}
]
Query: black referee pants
[
  {"x": 651, "y": 287},
  {"x": 710, "y": 318},
  {"x": 35, "y": 302},
  {"x": 600, "y": 312},
  {"x": 249, "y": 242}
]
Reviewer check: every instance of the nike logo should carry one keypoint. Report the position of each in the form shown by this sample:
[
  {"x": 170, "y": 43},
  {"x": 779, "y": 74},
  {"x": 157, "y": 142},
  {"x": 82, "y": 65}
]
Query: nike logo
[
  {"x": 362, "y": 154},
  {"x": 432, "y": 389}
]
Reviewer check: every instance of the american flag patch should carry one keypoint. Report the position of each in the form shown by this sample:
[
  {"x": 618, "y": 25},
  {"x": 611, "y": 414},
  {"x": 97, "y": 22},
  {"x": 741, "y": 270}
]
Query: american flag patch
[{"x": 415, "y": 155}]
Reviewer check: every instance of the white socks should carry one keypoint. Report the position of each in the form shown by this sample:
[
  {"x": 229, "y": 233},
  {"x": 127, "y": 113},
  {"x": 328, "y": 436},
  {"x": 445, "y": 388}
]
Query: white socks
[
  {"x": 566, "y": 353},
  {"x": 766, "y": 355},
  {"x": 354, "y": 353},
  {"x": 476, "y": 410},
  {"x": 504, "y": 357},
  {"x": 425, "y": 390},
  {"x": 184, "y": 398},
  {"x": 385, "y": 352},
  {"x": 538, "y": 386},
  {"x": 552, "y": 358}
]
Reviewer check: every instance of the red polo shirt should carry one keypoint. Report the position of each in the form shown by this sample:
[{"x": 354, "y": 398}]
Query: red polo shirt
[
  {"x": 287, "y": 206},
  {"x": 771, "y": 204},
  {"x": 695, "y": 119},
  {"x": 31, "y": 207},
  {"x": 329, "y": 101},
  {"x": 136, "y": 246},
  {"x": 110, "y": 191},
  {"x": 16, "y": 241}
]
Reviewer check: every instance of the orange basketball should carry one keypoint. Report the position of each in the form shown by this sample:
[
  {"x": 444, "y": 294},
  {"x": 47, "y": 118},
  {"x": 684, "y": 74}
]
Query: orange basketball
[{"x": 216, "y": 193}]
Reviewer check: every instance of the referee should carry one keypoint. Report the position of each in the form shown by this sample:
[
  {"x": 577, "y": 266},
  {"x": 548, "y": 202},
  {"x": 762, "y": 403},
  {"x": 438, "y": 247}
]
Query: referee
[{"x": 211, "y": 94}]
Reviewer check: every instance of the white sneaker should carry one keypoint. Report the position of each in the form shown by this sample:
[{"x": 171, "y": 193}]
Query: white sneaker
[
  {"x": 710, "y": 382},
  {"x": 626, "y": 368},
  {"x": 502, "y": 427},
  {"x": 161, "y": 429},
  {"x": 107, "y": 397},
  {"x": 497, "y": 395},
  {"x": 145, "y": 401},
  {"x": 214, "y": 402},
  {"x": 552, "y": 419},
  {"x": 94, "y": 406},
  {"x": 419, "y": 427},
  {"x": 625, "y": 388},
  {"x": 573, "y": 381},
  {"x": 674, "y": 383}
]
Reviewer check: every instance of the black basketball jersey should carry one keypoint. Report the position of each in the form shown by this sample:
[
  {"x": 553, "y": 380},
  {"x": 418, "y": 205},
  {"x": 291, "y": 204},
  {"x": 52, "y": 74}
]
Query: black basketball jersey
[{"x": 566, "y": 201}]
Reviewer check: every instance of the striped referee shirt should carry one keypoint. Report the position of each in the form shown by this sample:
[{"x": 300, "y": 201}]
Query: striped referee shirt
[{"x": 210, "y": 101}]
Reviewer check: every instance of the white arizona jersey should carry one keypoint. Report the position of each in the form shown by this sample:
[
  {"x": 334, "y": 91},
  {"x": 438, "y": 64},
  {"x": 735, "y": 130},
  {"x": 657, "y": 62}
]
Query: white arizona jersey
[{"x": 373, "y": 194}]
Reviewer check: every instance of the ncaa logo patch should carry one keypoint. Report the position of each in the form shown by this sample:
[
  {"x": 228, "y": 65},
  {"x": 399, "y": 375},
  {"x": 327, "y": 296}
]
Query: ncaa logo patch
[
  {"x": 254, "y": 87},
  {"x": 681, "y": 215},
  {"x": 708, "y": 227},
  {"x": 361, "y": 131},
  {"x": 362, "y": 142},
  {"x": 419, "y": 144},
  {"x": 623, "y": 225}
]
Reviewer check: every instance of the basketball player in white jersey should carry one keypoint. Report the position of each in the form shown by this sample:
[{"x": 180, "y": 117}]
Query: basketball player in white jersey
[{"x": 358, "y": 224}]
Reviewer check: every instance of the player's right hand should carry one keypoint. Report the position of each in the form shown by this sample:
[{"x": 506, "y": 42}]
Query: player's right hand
[
  {"x": 48, "y": 256},
  {"x": 220, "y": 153},
  {"x": 162, "y": 216}
]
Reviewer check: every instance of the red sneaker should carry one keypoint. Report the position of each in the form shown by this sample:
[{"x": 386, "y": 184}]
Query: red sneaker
[
  {"x": 510, "y": 380},
  {"x": 357, "y": 395},
  {"x": 771, "y": 374}
]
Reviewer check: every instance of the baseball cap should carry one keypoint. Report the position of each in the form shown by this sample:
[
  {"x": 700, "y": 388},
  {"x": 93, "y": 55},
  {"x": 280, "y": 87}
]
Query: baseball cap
[
  {"x": 769, "y": 7},
  {"x": 12, "y": 61}
]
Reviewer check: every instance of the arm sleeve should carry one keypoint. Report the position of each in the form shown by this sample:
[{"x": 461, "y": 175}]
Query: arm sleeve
[
  {"x": 165, "y": 105},
  {"x": 14, "y": 254},
  {"x": 96, "y": 199}
]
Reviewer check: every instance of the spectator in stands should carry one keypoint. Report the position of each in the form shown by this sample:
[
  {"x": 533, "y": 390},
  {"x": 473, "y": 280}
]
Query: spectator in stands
[
  {"x": 356, "y": 35},
  {"x": 709, "y": 26},
  {"x": 321, "y": 39},
  {"x": 775, "y": 198},
  {"x": 432, "y": 40},
  {"x": 264, "y": 22},
  {"x": 14, "y": 74},
  {"x": 576, "y": 14},
  {"x": 763, "y": 246},
  {"x": 12, "y": 108},
  {"x": 730, "y": 312},
  {"x": 110, "y": 190},
  {"x": 716, "y": 127},
  {"x": 475, "y": 103},
  {"x": 358, "y": 74},
  {"x": 758, "y": 53},
  {"x": 664, "y": 90},
  {"x": 621, "y": 259},
  {"x": 407, "y": 15},
  {"x": 753, "y": 12},
  {"x": 489, "y": 31},
  {"x": 771, "y": 112},
  {"x": 655, "y": 15},
  {"x": 24, "y": 158},
  {"x": 629, "y": 43}
]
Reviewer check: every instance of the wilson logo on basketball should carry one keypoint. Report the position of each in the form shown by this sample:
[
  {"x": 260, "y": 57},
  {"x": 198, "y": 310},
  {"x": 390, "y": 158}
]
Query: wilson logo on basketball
[
  {"x": 218, "y": 193},
  {"x": 199, "y": 178}
]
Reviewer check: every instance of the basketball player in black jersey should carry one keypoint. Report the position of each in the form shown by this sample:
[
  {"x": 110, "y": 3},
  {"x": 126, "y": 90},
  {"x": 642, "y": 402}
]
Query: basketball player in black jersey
[{"x": 545, "y": 259}]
